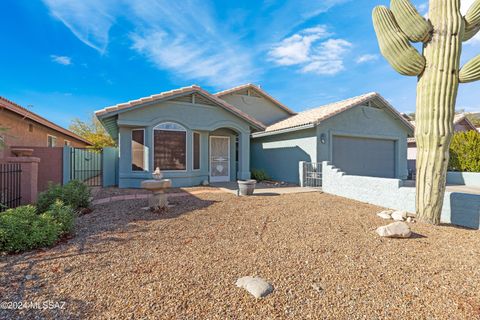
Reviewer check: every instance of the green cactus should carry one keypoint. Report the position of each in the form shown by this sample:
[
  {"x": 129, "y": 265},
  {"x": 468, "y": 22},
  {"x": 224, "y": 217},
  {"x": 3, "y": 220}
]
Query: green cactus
[{"x": 439, "y": 74}]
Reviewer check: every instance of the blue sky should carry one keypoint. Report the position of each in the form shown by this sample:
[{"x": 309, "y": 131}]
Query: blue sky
[{"x": 68, "y": 58}]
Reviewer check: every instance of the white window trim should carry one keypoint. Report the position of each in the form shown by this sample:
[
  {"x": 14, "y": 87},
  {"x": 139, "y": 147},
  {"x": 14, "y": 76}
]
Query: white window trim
[
  {"x": 186, "y": 145},
  {"x": 145, "y": 155},
  {"x": 67, "y": 143},
  {"x": 48, "y": 136},
  {"x": 199, "y": 151}
]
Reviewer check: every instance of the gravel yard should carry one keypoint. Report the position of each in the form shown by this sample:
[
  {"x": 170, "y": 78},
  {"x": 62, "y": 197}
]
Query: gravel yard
[{"x": 320, "y": 253}]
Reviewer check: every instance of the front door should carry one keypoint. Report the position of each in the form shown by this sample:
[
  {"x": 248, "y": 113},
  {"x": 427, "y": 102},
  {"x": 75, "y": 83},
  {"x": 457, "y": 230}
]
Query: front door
[{"x": 219, "y": 158}]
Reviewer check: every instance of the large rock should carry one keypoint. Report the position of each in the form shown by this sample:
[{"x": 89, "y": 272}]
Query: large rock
[
  {"x": 399, "y": 215},
  {"x": 395, "y": 230},
  {"x": 385, "y": 215},
  {"x": 258, "y": 287}
]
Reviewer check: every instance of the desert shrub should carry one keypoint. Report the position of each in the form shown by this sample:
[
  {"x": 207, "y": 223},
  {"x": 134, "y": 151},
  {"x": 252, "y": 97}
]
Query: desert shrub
[
  {"x": 64, "y": 215},
  {"x": 259, "y": 175},
  {"x": 465, "y": 152},
  {"x": 23, "y": 229},
  {"x": 75, "y": 194}
]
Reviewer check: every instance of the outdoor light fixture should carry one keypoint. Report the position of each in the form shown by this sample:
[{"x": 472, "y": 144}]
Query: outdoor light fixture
[{"x": 323, "y": 138}]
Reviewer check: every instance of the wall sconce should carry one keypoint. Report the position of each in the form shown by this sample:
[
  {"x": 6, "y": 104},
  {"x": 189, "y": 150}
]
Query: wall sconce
[{"x": 323, "y": 138}]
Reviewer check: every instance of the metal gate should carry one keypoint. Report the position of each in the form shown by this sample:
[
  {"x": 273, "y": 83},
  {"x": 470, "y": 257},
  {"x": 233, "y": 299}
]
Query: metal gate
[
  {"x": 10, "y": 185},
  {"x": 86, "y": 166},
  {"x": 312, "y": 174}
]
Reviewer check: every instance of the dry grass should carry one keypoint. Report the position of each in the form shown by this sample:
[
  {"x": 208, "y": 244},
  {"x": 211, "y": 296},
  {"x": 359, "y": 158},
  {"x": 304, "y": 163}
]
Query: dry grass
[{"x": 320, "y": 252}]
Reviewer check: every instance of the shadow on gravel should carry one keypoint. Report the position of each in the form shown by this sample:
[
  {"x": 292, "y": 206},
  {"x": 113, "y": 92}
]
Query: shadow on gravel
[{"x": 18, "y": 278}]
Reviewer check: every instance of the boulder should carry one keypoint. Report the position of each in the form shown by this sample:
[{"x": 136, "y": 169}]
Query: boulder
[
  {"x": 258, "y": 287},
  {"x": 395, "y": 230},
  {"x": 384, "y": 215},
  {"x": 399, "y": 215}
]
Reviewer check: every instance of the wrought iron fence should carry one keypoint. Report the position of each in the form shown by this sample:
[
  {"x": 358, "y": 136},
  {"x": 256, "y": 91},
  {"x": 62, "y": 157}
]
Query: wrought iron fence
[
  {"x": 10, "y": 186},
  {"x": 86, "y": 165},
  {"x": 312, "y": 174}
]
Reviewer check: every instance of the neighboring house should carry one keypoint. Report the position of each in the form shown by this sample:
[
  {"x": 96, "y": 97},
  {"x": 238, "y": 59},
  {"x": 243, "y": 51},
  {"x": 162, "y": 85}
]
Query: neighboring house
[
  {"x": 193, "y": 136},
  {"x": 460, "y": 123},
  {"x": 27, "y": 129}
]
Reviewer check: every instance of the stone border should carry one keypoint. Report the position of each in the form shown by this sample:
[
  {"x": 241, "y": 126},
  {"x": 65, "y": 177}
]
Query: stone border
[{"x": 147, "y": 195}]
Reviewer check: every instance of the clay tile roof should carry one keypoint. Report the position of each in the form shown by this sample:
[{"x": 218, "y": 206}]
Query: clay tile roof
[
  {"x": 257, "y": 88},
  {"x": 165, "y": 95},
  {"x": 315, "y": 116},
  {"x": 18, "y": 109}
]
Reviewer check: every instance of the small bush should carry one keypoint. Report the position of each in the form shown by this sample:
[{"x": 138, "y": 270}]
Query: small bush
[
  {"x": 260, "y": 175},
  {"x": 63, "y": 215},
  {"x": 465, "y": 152},
  {"x": 23, "y": 229},
  {"x": 75, "y": 194}
]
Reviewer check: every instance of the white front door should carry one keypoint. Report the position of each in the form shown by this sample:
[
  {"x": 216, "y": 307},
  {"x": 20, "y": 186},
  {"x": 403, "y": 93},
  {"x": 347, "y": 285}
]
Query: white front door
[{"x": 219, "y": 158}]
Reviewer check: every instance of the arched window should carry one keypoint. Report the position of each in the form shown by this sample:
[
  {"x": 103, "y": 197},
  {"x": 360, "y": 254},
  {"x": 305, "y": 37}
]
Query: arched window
[{"x": 170, "y": 146}]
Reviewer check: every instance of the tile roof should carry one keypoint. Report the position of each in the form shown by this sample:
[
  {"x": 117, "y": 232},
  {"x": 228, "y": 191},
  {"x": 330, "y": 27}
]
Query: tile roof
[
  {"x": 317, "y": 115},
  {"x": 172, "y": 93},
  {"x": 25, "y": 113},
  {"x": 257, "y": 88},
  {"x": 459, "y": 117}
]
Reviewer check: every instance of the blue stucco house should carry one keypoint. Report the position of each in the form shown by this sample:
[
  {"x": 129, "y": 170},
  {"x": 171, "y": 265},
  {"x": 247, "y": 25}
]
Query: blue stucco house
[{"x": 193, "y": 136}]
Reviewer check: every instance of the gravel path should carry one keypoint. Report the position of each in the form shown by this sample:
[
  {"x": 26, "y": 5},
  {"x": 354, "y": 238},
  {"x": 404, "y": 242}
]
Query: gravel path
[{"x": 320, "y": 252}]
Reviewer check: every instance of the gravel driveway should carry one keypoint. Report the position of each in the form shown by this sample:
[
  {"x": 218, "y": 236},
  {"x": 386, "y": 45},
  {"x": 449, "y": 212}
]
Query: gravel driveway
[{"x": 320, "y": 252}]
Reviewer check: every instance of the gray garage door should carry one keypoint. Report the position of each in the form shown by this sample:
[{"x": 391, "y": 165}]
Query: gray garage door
[{"x": 364, "y": 156}]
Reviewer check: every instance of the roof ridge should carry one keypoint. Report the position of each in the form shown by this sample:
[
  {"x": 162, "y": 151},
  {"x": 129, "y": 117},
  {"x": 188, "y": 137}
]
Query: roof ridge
[
  {"x": 259, "y": 88},
  {"x": 32, "y": 115},
  {"x": 166, "y": 94}
]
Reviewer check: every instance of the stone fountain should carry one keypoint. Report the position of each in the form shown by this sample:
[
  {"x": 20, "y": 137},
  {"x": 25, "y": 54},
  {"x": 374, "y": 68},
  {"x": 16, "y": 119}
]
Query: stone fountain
[{"x": 159, "y": 199}]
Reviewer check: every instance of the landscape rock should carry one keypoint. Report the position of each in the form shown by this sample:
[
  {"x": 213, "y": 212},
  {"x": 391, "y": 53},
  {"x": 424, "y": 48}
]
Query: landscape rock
[
  {"x": 205, "y": 183},
  {"x": 394, "y": 230},
  {"x": 258, "y": 287},
  {"x": 384, "y": 215},
  {"x": 399, "y": 215}
]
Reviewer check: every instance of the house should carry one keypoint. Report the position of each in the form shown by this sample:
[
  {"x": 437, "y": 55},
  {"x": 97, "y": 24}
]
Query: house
[
  {"x": 195, "y": 136},
  {"x": 460, "y": 123},
  {"x": 27, "y": 129}
]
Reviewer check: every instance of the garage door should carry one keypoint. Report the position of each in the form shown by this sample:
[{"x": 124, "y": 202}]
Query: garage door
[{"x": 364, "y": 156}]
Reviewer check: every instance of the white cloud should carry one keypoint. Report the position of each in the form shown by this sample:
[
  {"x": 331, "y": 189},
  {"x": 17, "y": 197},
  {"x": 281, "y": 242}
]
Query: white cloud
[
  {"x": 188, "y": 38},
  {"x": 423, "y": 8},
  {"x": 367, "y": 58},
  {"x": 64, "y": 60},
  {"x": 88, "y": 20},
  {"x": 305, "y": 49}
]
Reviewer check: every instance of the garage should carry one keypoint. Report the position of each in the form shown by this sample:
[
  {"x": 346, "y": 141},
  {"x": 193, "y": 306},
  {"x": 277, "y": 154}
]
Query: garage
[{"x": 364, "y": 156}]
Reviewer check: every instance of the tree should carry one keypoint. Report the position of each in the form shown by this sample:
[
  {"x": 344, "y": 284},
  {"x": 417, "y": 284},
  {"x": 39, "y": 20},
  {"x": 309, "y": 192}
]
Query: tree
[
  {"x": 465, "y": 151},
  {"x": 439, "y": 74},
  {"x": 92, "y": 131}
]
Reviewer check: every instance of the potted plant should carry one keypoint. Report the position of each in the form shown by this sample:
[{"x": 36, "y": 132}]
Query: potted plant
[{"x": 246, "y": 187}]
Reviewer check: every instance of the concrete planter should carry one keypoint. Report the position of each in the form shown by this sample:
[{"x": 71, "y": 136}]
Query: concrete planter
[{"x": 246, "y": 187}]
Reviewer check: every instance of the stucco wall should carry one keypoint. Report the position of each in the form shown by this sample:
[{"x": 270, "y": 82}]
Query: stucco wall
[
  {"x": 193, "y": 117},
  {"x": 458, "y": 208},
  {"x": 18, "y": 133},
  {"x": 279, "y": 155},
  {"x": 367, "y": 122},
  {"x": 471, "y": 179},
  {"x": 260, "y": 108}
]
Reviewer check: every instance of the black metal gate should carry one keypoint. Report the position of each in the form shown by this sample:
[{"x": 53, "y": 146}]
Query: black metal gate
[
  {"x": 86, "y": 165},
  {"x": 312, "y": 174},
  {"x": 10, "y": 186}
]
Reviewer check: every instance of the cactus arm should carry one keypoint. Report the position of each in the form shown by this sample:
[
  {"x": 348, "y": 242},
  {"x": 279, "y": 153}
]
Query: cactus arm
[
  {"x": 394, "y": 44},
  {"x": 415, "y": 27},
  {"x": 472, "y": 21},
  {"x": 470, "y": 71}
]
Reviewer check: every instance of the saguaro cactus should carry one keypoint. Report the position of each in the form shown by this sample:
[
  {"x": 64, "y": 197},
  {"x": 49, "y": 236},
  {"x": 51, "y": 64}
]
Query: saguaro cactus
[{"x": 439, "y": 74}]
